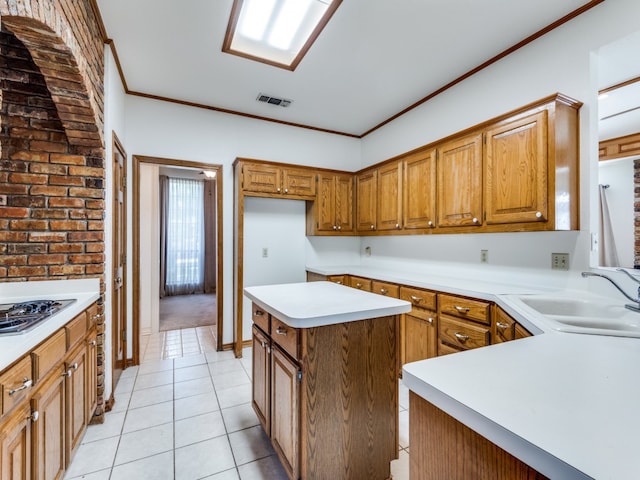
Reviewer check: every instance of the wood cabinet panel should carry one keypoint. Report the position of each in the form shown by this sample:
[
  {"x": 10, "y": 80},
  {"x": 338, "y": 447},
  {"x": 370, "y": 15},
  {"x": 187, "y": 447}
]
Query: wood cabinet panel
[
  {"x": 261, "y": 378},
  {"x": 298, "y": 182},
  {"x": 92, "y": 374},
  {"x": 385, "y": 288},
  {"x": 261, "y": 318},
  {"x": 389, "y": 197},
  {"x": 419, "y": 190},
  {"x": 76, "y": 330},
  {"x": 48, "y": 354},
  {"x": 459, "y": 182},
  {"x": 76, "y": 397},
  {"x": 367, "y": 194},
  {"x": 261, "y": 178},
  {"x": 344, "y": 202},
  {"x": 421, "y": 335},
  {"x": 49, "y": 429},
  {"x": 418, "y": 297},
  {"x": 463, "y": 307},
  {"x": 15, "y": 446},
  {"x": 462, "y": 334},
  {"x": 339, "y": 279},
  {"x": 333, "y": 207},
  {"x": 285, "y": 336},
  {"x": 16, "y": 383},
  {"x": 360, "y": 283},
  {"x": 516, "y": 171}
]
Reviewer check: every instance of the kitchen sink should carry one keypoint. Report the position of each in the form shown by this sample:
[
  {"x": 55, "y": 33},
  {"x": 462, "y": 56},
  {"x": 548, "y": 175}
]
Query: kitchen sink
[{"x": 592, "y": 315}]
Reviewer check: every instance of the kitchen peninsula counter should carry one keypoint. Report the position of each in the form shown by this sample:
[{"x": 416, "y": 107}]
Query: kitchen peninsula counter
[{"x": 325, "y": 365}]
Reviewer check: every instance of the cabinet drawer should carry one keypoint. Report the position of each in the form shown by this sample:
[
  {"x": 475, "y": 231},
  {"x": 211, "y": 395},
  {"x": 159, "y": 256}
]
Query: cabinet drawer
[
  {"x": 360, "y": 283},
  {"x": 47, "y": 355},
  {"x": 15, "y": 383},
  {"x": 444, "y": 349},
  {"x": 418, "y": 297},
  {"x": 387, "y": 289},
  {"x": 339, "y": 279},
  {"x": 465, "y": 308},
  {"x": 92, "y": 316},
  {"x": 505, "y": 327},
  {"x": 260, "y": 318},
  {"x": 461, "y": 334},
  {"x": 76, "y": 329},
  {"x": 285, "y": 336}
]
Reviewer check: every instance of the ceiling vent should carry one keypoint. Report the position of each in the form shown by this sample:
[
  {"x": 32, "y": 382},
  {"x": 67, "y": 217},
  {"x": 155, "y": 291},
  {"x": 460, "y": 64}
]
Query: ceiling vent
[{"x": 283, "y": 102}]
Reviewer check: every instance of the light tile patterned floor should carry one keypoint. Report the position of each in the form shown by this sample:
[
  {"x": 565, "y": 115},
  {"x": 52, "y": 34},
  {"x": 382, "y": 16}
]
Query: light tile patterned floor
[{"x": 185, "y": 413}]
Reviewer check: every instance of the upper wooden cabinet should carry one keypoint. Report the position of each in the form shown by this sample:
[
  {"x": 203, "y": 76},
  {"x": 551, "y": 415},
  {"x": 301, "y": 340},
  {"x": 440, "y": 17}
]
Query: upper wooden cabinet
[
  {"x": 459, "y": 182},
  {"x": 333, "y": 208},
  {"x": 389, "y": 201},
  {"x": 366, "y": 201},
  {"x": 516, "y": 170},
  {"x": 419, "y": 190},
  {"x": 275, "y": 180}
]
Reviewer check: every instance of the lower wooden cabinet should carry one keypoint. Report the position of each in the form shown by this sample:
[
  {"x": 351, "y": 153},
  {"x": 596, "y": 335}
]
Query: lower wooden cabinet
[
  {"x": 418, "y": 328},
  {"x": 15, "y": 448},
  {"x": 261, "y": 384},
  {"x": 76, "y": 399}
]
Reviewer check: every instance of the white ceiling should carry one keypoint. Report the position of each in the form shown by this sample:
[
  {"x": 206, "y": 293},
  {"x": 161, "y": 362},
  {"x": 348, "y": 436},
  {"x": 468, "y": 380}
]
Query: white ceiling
[{"x": 373, "y": 59}]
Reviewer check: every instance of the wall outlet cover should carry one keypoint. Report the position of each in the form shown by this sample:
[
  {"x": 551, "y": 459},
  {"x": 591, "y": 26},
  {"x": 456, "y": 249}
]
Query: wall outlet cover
[{"x": 560, "y": 261}]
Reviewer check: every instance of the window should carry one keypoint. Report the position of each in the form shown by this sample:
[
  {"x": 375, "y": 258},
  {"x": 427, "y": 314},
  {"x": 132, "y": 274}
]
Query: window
[{"x": 276, "y": 32}]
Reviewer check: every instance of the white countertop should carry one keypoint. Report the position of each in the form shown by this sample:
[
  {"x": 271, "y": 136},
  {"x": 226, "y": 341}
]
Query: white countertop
[
  {"x": 84, "y": 291},
  {"x": 565, "y": 404},
  {"x": 314, "y": 304}
]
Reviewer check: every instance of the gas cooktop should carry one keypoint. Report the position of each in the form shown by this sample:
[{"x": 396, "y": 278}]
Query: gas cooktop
[{"x": 16, "y": 318}]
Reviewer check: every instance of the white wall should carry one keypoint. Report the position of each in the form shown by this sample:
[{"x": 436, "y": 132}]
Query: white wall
[
  {"x": 618, "y": 174},
  {"x": 114, "y": 121},
  {"x": 169, "y": 130},
  {"x": 561, "y": 61}
]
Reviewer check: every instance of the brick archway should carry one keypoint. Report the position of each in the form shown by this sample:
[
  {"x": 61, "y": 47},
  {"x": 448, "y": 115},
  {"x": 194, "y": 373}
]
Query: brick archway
[{"x": 64, "y": 78}]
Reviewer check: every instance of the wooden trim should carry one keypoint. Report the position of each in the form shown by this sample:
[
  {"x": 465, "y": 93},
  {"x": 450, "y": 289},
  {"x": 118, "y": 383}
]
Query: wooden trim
[
  {"x": 620, "y": 147},
  {"x": 491, "y": 61},
  {"x": 289, "y": 165},
  {"x": 137, "y": 160},
  {"x": 233, "y": 21},
  {"x": 116, "y": 59},
  {"x": 619, "y": 85}
]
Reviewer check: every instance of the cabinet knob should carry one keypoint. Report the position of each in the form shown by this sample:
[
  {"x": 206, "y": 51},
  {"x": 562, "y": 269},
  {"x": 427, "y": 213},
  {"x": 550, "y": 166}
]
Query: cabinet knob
[
  {"x": 384, "y": 291},
  {"x": 373, "y": 227},
  {"x": 339, "y": 227},
  {"x": 538, "y": 214},
  {"x": 430, "y": 223},
  {"x": 281, "y": 331},
  {"x": 258, "y": 313},
  {"x": 67, "y": 374},
  {"x": 430, "y": 320},
  {"x": 35, "y": 415},
  {"x": 461, "y": 337},
  {"x": 398, "y": 226},
  {"x": 26, "y": 383},
  {"x": 502, "y": 326},
  {"x": 339, "y": 282},
  {"x": 93, "y": 343},
  {"x": 335, "y": 227},
  {"x": 278, "y": 189},
  {"x": 286, "y": 190},
  {"x": 475, "y": 220}
]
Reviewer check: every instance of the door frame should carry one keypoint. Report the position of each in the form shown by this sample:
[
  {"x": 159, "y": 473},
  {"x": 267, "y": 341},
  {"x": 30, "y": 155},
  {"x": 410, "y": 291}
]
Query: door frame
[{"x": 169, "y": 162}]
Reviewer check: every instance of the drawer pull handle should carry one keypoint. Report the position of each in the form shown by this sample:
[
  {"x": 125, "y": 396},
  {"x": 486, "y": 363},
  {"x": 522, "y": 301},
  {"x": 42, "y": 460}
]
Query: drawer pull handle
[
  {"x": 461, "y": 337},
  {"x": 502, "y": 326},
  {"x": 462, "y": 309},
  {"x": 281, "y": 331},
  {"x": 430, "y": 320},
  {"x": 258, "y": 313},
  {"x": 358, "y": 285},
  {"x": 415, "y": 299},
  {"x": 97, "y": 316},
  {"x": 384, "y": 291},
  {"x": 339, "y": 282},
  {"x": 34, "y": 416},
  {"x": 26, "y": 383},
  {"x": 93, "y": 343}
]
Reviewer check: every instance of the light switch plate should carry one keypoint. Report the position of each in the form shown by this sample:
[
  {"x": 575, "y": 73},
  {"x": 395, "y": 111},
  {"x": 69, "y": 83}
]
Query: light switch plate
[{"x": 560, "y": 261}]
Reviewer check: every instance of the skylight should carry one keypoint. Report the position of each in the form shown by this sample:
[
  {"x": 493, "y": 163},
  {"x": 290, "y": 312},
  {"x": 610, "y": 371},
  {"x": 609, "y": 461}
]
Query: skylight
[{"x": 277, "y": 32}]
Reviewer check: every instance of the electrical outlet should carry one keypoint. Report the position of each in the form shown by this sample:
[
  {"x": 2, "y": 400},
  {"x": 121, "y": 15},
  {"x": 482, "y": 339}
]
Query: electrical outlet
[
  {"x": 265, "y": 252},
  {"x": 560, "y": 261},
  {"x": 367, "y": 251},
  {"x": 484, "y": 256}
]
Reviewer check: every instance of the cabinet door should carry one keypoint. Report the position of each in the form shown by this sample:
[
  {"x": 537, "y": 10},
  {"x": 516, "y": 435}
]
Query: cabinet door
[
  {"x": 344, "y": 202},
  {"x": 285, "y": 411},
  {"x": 260, "y": 394},
  {"x": 504, "y": 326},
  {"x": 92, "y": 375},
  {"x": 366, "y": 190},
  {"x": 459, "y": 182},
  {"x": 516, "y": 171},
  {"x": 261, "y": 178},
  {"x": 49, "y": 456},
  {"x": 326, "y": 204},
  {"x": 298, "y": 182},
  {"x": 389, "y": 198},
  {"x": 15, "y": 435},
  {"x": 76, "y": 388},
  {"x": 419, "y": 190},
  {"x": 421, "y": 335}
]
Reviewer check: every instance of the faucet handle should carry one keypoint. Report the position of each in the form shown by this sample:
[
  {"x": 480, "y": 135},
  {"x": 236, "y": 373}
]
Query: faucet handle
[{"x": 632, "y": 277}]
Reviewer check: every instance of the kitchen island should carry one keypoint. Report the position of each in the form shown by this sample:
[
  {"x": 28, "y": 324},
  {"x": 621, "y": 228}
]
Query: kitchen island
[{"x": 325, "y": 388}]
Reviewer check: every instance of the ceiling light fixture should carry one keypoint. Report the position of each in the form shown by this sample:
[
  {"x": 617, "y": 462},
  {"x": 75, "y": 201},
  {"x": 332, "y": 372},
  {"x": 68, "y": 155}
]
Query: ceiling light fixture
[
  {"x": 277, "y": 32},
  {"x": 208, "y": 173}
]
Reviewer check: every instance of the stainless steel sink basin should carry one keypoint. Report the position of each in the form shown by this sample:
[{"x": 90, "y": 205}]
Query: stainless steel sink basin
[{"x": 593, "y": 315}]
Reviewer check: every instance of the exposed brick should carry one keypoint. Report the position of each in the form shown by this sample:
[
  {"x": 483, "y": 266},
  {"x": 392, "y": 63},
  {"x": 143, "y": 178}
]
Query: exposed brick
[
  {"x": 29, "y": 224},
  {"x": 27, "y": 201},
  {"x": 86, "y": 236},
  {"x": 24, "y": 271},
  {"x": 28, "y": 178},
  {"x": 87, "y": 258},
  {"x": 47, "y": 168},
  {"x": 94, "y": 247},
  {"x": 67, "y": 202},
  {"x": 68, "y": 247},
  {"x": 49, "y": 213},
  {"x": 56, "y": 259},
  {"x": 68, "y": 225},
  {"x": 8, "y": 189},
  {"x": 12, "y": 212},
  {"x": 29, "y": 133},
  {"x": 8, "y": 260},
  {"x": 86, "y": 171},
  {"x": 50, "y": 191},
  {"x": 86, "y": 192},
  {"x": 28, "y": 155},
  {"x": 95, "y": 269},
  {"x": 65, "y": 180},
  {"x": 67, "y": 159},
  {"x": 26, "y": 248},
  {"x": 57, "y": 270},
  {"x": 44, "y": 146},
  {"x": 95, "y": 204},
  {"x": 13, "y": 236},
  {"x": 47, "y": 237}
]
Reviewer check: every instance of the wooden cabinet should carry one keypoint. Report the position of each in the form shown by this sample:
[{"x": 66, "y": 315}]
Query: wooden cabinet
[
  {"x": 464, "y": 323},
  {"x": 266, "y": 178},
  {"x": 516, "y": 170},
  {"x": 333, "y": 207},
  {"x": 505, "y": 328},
  {"x": 389, "y": 197},
  {"x": 418, "y": 328},
  {"x": 339, "y": 279},
  {"x": 300, "y": 380},
  {"x": 360, "y": 283},
  {"x": 385, "y": 288},
  {"x": 48, "y": 398},
  {"x": 459, "y": 182},
  {"x": 366, "y": 201},
  {"x": 419, "y": 190}
]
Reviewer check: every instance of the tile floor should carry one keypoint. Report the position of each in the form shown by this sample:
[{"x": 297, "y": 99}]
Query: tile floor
[{"x": 185, "y": 413}]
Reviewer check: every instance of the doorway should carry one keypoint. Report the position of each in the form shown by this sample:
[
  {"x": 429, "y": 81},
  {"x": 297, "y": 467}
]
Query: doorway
[{"x": 147, "y": 240}]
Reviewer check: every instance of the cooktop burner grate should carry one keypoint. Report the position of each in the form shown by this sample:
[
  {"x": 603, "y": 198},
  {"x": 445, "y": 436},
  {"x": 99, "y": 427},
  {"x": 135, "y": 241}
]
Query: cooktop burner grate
[{"x": 20, "y": 317}]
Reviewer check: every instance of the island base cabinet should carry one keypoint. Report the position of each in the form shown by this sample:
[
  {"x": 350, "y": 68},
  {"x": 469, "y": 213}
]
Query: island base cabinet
[
  {"x": 15, "y": 453},
  {"x": 442, "y": 447},
  {"x": 285, "y": 426}
]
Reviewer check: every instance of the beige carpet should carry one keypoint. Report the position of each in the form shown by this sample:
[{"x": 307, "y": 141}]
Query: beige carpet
[{"x": 187, "y": 311}]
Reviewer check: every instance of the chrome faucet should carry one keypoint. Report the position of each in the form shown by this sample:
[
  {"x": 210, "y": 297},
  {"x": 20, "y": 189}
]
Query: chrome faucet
[{"x": 635, "y": 308}]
